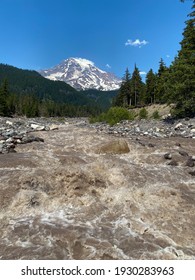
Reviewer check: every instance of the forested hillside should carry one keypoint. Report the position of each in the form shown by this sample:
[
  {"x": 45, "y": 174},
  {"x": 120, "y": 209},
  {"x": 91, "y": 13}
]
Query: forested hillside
[
  {"x": 25, "y": 92},
  {"x": 174, "y": 84}
]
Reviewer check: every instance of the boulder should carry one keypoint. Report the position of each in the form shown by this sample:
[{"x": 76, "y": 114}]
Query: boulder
[{"x": 114, "y": 147}]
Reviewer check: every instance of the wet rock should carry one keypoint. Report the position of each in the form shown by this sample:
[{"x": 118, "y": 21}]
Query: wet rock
[
  {"x": 114, "y": 147},
  {"x": 31, "y": 138},
  {"x": 192, "y": 173},
  {"x": 173, "y": 163},
  {"x": 183, "y": 153},
  {"x": 150, "y": 145},
  {"x": 168, "y": 156},
  {"x": 1, "y": 148},
  {"x": 178, "y": 144},
  {"x": 190, "y": 162}
]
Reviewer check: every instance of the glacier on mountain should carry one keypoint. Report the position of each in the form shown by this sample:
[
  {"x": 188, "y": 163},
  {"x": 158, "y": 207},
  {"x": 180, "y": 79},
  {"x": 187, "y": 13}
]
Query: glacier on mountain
[{"x": 82, "y": 74}]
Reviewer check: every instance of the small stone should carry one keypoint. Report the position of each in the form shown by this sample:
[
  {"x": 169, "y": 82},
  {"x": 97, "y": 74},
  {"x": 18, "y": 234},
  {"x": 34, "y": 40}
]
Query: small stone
[
  {"x": 9, "y": 140},
  {"x": 53, "y": 127},
  {"x": 178, "y": 144},
  {"x": 1, "y": 147},
  {"x": 168, "y": 156},
  {"x": 9, "y": 133},
  {"x": 150, "y": 145},
  {"x": 178, "y": 126},
  {"x": 193, "y": 158},
  {"x": 192, "y": 173},
  {"x": 173, "y": 163},
  {"x": 9, "y": 123},
  {"x": 29, "y": 139},
  {"x": 37, "y": 127},
  {"x": 183, "y": 153},
  {"x": 190, "y": 162}
]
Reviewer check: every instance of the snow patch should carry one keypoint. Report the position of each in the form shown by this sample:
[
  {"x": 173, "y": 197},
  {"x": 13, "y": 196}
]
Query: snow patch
[{"x": 82, "y": 73}]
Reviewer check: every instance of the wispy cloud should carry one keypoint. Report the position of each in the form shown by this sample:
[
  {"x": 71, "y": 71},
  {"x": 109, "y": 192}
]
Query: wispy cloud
[
  {"x": 142, "y": 73},
  {"x": 167, "y": 55},
  {"x": 136, "y": 43},
  {"x": 108, "y": 66}
]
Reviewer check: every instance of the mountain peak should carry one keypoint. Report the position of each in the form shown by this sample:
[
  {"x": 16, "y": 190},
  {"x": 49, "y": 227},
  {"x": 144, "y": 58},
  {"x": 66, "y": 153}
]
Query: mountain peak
[
  {"x": 82, "y": 61},
  {"x": 82, "y": 74}
]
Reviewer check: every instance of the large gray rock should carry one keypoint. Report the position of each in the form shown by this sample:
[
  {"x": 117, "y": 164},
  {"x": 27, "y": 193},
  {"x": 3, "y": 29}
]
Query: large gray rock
[{"x": 114, "y": 147}]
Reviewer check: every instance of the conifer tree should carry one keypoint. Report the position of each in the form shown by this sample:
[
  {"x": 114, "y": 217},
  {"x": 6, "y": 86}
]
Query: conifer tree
[
  {"x": 161, "y": 79},
  {"x": 182, "y": 78},
  {"x": 3, "y": 99},
  {"x": 150, "y": 87},
  {"x": 124, "y": 97},
  {"x": 136, "y": 86}
]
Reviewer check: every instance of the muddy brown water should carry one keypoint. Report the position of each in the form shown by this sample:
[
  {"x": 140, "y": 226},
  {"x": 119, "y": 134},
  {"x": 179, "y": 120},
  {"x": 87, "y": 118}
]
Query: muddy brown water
[{"x": 62, "y": 199}]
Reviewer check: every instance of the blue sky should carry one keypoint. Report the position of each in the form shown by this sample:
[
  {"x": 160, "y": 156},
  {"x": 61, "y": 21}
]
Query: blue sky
[{"x": 114, "y": 34}]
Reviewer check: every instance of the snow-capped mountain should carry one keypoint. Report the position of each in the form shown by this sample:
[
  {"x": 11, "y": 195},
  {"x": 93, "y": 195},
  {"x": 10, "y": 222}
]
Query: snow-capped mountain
[{"x": 82, "y": 74}]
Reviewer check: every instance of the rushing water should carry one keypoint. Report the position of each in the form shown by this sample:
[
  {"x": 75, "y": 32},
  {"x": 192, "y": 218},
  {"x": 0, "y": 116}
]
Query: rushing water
[{"x": 62, "y": 199}]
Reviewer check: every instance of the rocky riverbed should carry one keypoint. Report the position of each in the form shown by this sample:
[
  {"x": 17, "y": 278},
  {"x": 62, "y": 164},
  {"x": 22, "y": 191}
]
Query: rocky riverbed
[{"x": 74, "y": 190}]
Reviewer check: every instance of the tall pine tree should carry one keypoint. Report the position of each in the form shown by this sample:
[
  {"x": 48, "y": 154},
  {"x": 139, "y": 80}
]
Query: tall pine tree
[
  {"x": 136, "y": 87},
  {"x": 161, "y": 82},
  {"x": 124, "y": 97},
  {"x": 183, "y": 71},
  {"x": 3, "y": 99},
  {"x": 150, "y": 87}
]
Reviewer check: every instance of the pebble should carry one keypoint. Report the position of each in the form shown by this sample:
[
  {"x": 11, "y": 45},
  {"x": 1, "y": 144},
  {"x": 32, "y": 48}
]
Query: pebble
[{"x": 168, "y": 156}]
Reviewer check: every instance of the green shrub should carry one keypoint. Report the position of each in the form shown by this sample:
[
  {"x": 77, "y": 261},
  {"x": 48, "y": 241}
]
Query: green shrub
[
  {"x": 143, "y": 114},
  {"x": 114, "y": 115},
  {"x": 156, "y": 115}
]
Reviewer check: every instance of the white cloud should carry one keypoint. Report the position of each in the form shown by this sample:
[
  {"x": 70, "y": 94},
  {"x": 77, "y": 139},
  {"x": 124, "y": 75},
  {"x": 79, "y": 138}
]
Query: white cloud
[
  {"x": 136, "y": 43},
  {"x": 142, "y": 73},
  {"x": 108, "y": 66},
  {"x": 167, "y": 55}
]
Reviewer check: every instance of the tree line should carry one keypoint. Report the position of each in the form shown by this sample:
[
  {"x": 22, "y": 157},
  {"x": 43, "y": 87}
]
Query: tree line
[
  {"x": 29, "y": 105},
  {"x": 173, "y": 84}
]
